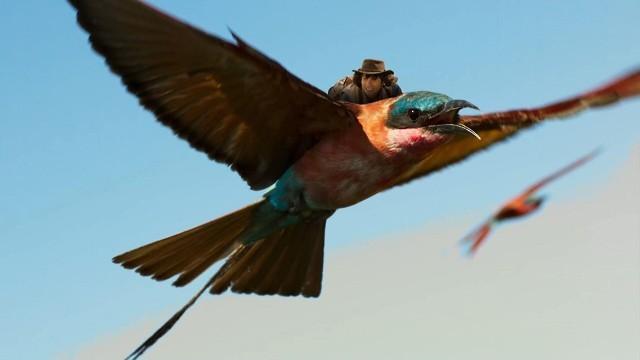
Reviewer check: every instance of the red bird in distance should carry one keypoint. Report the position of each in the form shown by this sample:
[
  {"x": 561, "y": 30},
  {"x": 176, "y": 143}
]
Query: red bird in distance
[{"x": 521, "y": 205}]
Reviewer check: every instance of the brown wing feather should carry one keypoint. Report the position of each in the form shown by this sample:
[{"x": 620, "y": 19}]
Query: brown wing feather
[
  {"x": 454, "y": 151},
  {"x": 623, "y": 87},
  {"x": 227, "y": 100},
  {"x": 190, "y": 252},
  {"x": 499, "y": 126}
]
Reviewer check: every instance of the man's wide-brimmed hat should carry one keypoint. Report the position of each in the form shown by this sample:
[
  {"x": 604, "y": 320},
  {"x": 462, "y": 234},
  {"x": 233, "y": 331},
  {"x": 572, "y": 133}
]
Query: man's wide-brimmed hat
[{"x": 373, "y": 67}]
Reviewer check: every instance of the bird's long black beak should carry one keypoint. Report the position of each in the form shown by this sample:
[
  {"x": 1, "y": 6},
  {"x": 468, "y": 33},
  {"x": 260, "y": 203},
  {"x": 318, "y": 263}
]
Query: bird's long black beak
[
  {"x": 454, "y": 105},
  {"x": 452, "y": 126}
]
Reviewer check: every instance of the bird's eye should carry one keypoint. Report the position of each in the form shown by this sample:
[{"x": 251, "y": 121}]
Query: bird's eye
[{"x": 413, "y": 113}]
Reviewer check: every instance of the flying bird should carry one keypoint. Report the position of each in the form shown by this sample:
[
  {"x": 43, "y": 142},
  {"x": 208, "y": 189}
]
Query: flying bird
[
  {"x": 243, "y": 109},
  {"x": 521, "y": 205}
]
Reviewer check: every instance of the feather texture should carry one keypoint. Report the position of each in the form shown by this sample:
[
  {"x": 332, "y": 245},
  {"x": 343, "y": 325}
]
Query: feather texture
[
  {"x": 220, "y": 97},
  {"x": 288, "y": 262},
  {"x": 191, "y": 252}
]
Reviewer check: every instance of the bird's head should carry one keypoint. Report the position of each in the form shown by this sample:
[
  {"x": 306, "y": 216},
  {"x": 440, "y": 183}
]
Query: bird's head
[
  {"x": 434, "y": 112},
  {"x": 535, "y": 201}
]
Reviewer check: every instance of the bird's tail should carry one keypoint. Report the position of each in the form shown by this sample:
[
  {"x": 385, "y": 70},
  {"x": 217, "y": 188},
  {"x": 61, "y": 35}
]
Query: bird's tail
[
  {"x": 190, "y": 252},
  {"x": 287, "y": 261}
]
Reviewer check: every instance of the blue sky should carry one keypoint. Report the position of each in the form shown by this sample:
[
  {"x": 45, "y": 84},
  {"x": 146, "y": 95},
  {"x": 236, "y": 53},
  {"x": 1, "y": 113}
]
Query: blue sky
[{"x": 87, "y": 173}]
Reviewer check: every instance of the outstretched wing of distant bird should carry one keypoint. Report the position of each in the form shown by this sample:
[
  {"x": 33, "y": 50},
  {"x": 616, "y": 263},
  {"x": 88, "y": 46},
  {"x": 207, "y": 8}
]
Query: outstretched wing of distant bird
[
  {"x": 472, "y": 241},
  {"x": 498, "y": 126},
  {"x": 538, "y": 185},
  {"x": 227, "y": 100}
]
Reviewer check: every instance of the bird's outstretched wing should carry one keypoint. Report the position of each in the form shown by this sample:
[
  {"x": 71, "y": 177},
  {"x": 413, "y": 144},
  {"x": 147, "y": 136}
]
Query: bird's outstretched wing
[
  {"x": 498, "y": 126},
  {"x": 227, "y": 100},
  {"x": 538, "y": 185},
  {"x": 471, "y": 243}
]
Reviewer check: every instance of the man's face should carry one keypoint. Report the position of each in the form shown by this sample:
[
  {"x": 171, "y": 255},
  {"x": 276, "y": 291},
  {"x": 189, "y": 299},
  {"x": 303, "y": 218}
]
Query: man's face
[{"x": 371, "y": 85}]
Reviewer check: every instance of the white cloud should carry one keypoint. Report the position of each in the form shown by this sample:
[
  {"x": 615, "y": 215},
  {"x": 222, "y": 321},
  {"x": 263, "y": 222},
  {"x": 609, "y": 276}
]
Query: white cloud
[{"x": 563, "y": 284}]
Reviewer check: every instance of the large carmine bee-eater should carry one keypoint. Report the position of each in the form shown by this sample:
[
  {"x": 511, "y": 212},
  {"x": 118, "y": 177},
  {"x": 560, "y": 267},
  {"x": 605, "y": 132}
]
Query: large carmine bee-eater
[
  {"x": 524, "y": 204},
  {"x": 243, "y": 109}
]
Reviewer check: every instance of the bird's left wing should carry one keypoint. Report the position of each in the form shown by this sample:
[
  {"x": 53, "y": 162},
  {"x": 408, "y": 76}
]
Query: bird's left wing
[
  {"x": 227, "y": 100},
  {"x": 577, "y": 163},
  {"x": 472, "y": 242},
  {"x": 498, "y": 126}
]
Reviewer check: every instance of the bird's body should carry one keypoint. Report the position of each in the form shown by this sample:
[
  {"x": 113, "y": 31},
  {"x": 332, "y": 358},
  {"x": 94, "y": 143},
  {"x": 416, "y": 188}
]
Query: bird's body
[
  {"x": 243, "y": 109},
  {"x": 353, "y": 164},
  {"x": 518, "y": 207}
]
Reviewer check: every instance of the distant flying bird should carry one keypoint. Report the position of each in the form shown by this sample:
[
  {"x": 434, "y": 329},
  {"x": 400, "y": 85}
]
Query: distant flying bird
[
  {"x": 519, "y": 206},
  {"x": 243, "y": 109}
]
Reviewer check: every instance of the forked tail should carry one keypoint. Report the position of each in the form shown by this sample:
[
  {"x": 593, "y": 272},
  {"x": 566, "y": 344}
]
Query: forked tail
[{"x": 288, "y": 261}]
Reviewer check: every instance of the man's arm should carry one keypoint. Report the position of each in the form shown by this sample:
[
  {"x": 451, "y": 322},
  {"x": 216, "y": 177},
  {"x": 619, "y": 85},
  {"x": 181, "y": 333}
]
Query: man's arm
[
  {"x": 393, "y": 89},
  {"x": 335, "y": 92}
]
